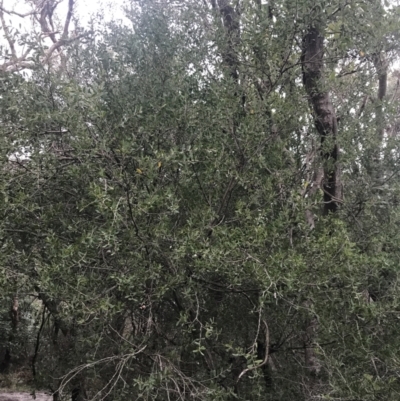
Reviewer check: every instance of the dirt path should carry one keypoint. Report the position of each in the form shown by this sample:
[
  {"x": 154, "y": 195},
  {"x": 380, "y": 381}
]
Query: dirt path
[{"x": 24, "y": 397}]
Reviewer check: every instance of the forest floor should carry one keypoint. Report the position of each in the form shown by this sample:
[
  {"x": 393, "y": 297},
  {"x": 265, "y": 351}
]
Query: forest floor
[{"x": 18, "y": 396}]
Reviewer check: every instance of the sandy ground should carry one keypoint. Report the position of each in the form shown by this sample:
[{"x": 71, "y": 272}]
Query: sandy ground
[{"x": 24, "y": 397}]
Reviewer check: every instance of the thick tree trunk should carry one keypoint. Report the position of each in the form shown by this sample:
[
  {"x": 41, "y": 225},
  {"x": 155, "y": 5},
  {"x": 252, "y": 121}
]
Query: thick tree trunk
[{"x": 325, "y": 119}]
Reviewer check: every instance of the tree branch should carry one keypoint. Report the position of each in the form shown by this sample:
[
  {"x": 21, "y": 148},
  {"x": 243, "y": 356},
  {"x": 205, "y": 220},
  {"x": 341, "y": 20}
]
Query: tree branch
[
  {"x": 29, "y": 13},
  {"x": 266, "y": 354},
  {"x": 43, "y": 13}
]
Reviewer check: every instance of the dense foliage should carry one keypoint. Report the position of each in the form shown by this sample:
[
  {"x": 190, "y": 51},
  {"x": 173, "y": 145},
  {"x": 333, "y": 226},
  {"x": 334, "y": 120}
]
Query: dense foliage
[{"x": 209, "y": 206}]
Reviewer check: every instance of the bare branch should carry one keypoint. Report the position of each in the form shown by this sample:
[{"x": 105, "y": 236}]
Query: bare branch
[
  {"x": 43, "y": 12},
  {"x": 11, "y": 12},
  {"x": 58, "y": 44},
  {"x": 18, "y": 64},
  {"x": 68, "y": 19},
  {"x": 46, "y": 13}
]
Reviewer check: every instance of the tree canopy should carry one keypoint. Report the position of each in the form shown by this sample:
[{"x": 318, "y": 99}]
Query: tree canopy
[{"x": 203, "y": 203}]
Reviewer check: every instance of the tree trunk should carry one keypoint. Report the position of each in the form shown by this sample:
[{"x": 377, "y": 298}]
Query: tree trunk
[
  {"x": 381, "y": 67},
  {"x": 325, "y": 119},
  {"x": 14, "y": 316}
]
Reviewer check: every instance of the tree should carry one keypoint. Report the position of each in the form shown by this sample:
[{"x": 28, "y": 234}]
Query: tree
[
  {"x": 18, "y": 53},
  {"x": 209, "y": 208}
]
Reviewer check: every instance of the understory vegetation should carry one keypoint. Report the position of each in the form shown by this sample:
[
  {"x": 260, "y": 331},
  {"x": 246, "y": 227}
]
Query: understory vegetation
[{"x": 202, "y": 201}]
